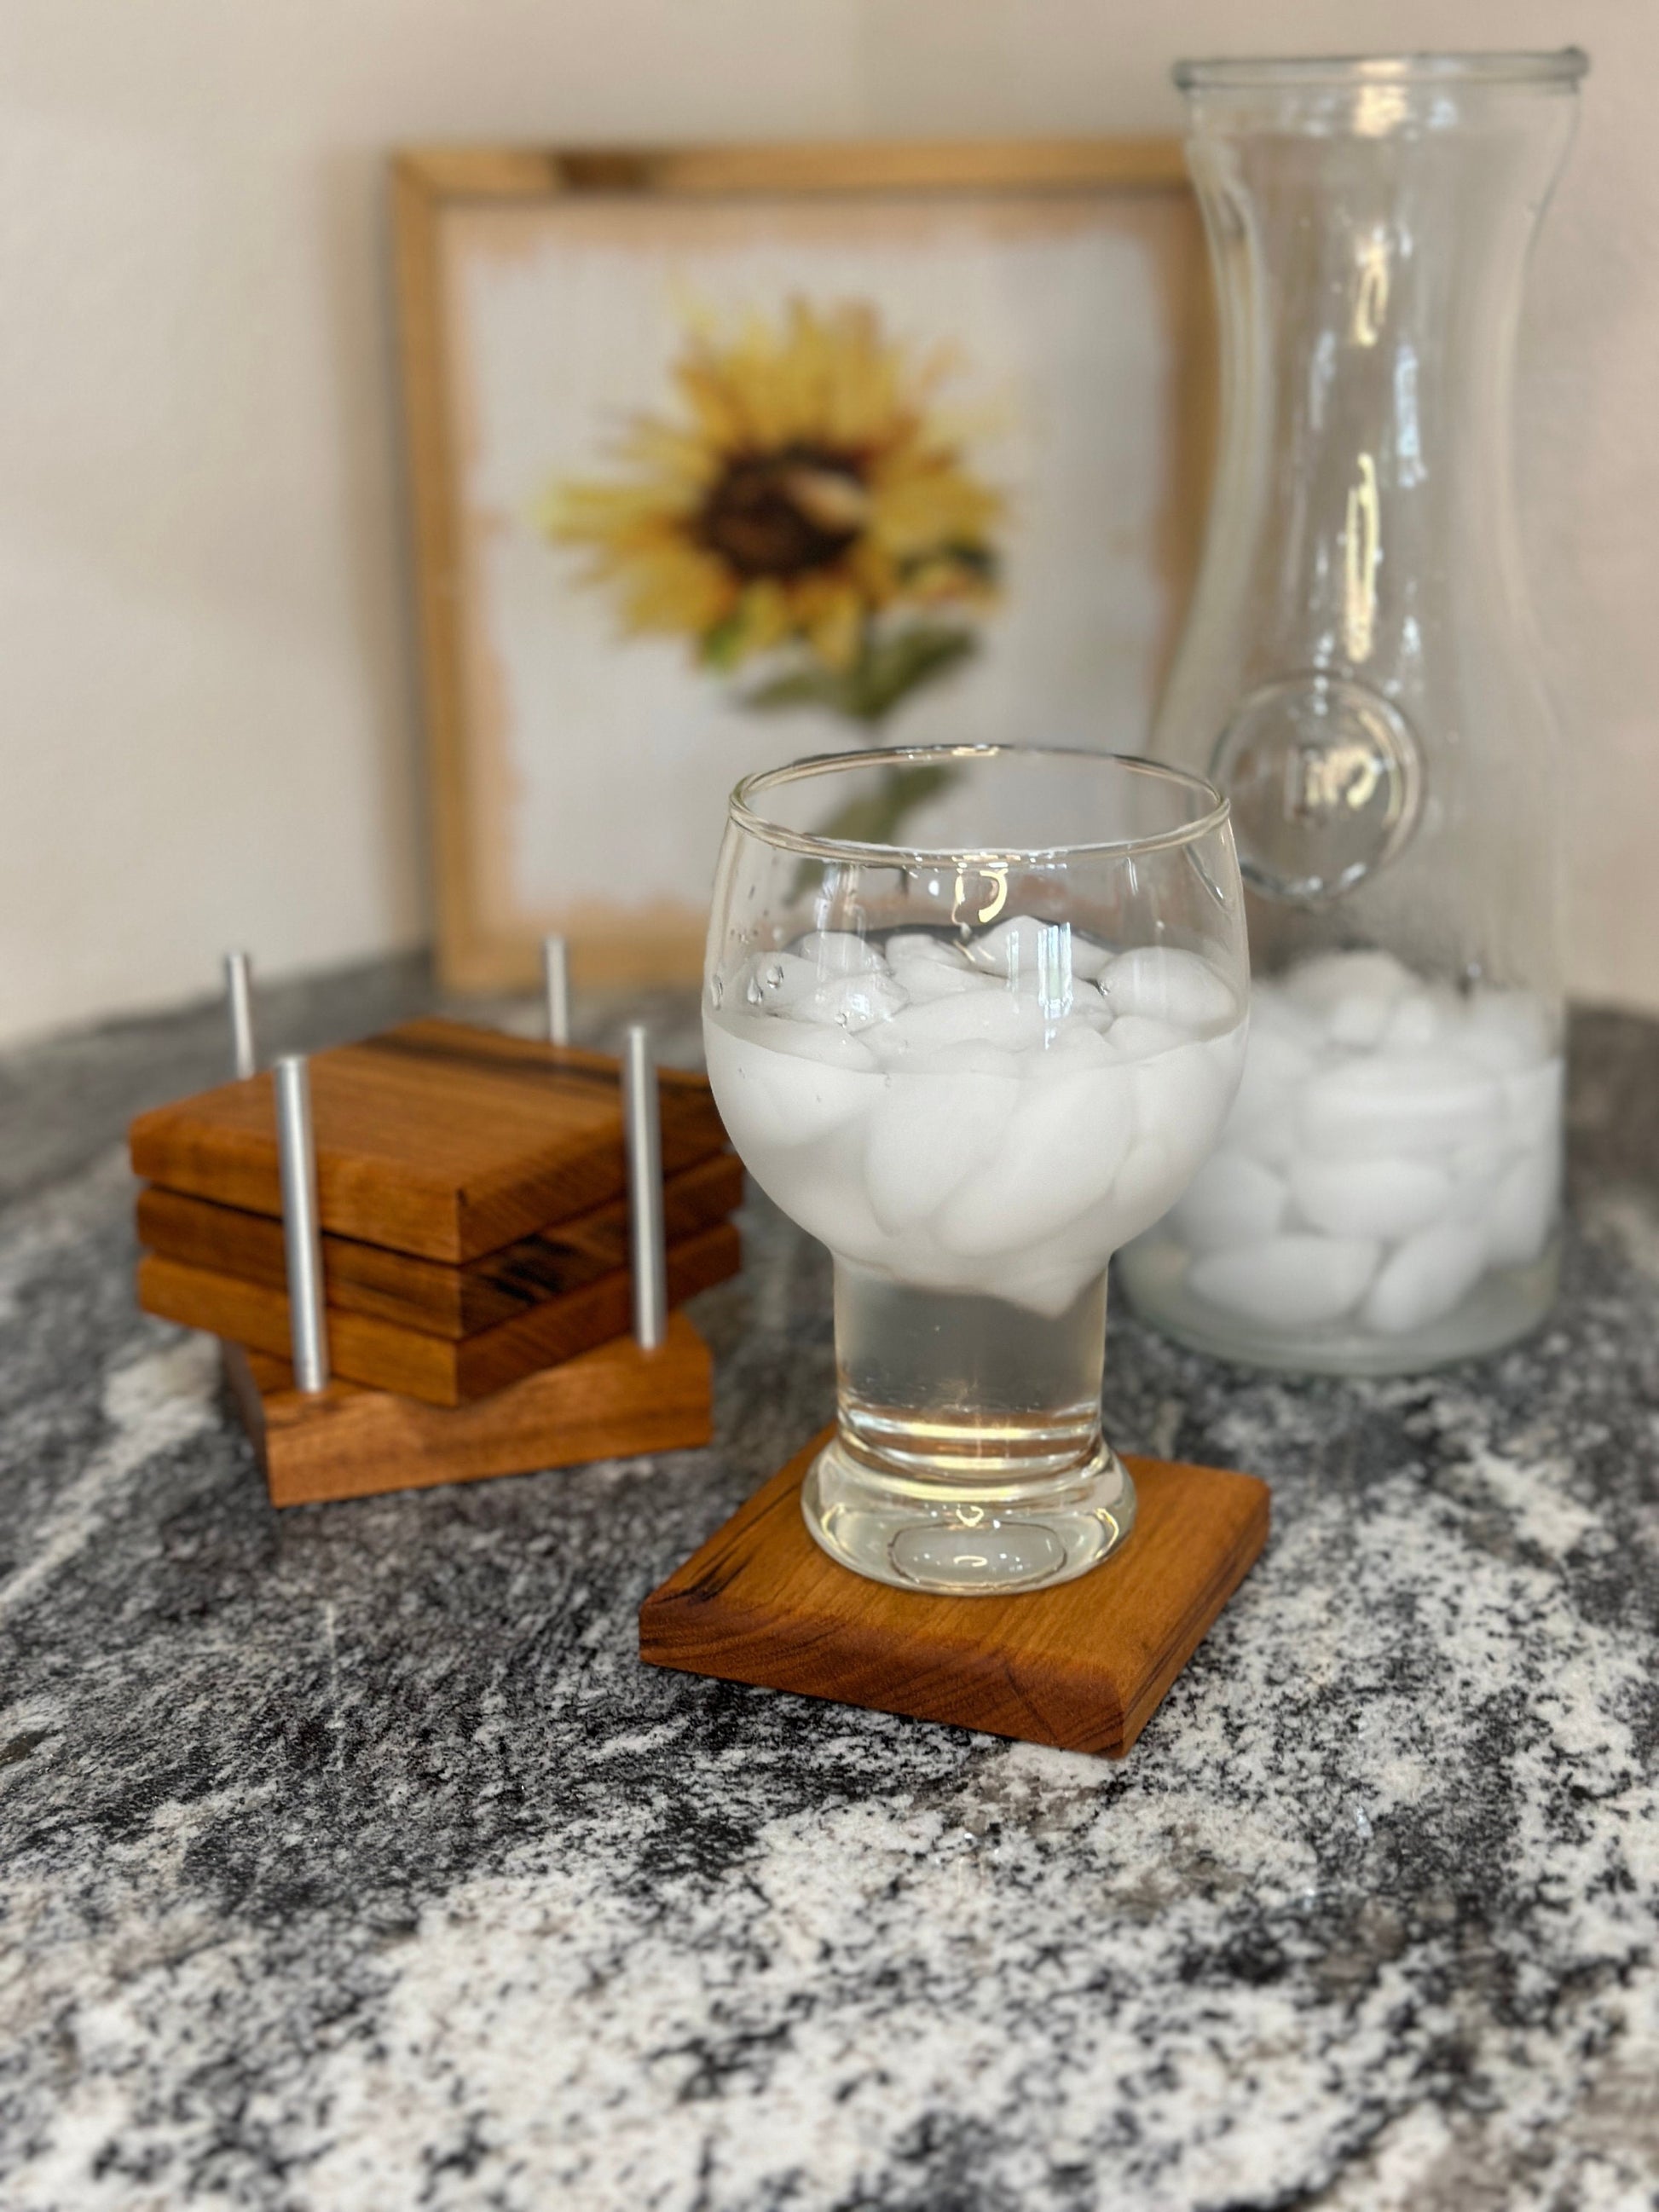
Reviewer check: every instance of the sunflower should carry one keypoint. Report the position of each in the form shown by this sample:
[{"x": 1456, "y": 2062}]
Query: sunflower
[{"x": 802, "y": 489}]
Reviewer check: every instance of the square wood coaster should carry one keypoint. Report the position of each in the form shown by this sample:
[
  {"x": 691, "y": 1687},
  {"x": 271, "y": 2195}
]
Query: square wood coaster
[
  {"x": 434, "y": 1139},
  {"x": 430, "y": 1296},
  {"x": 343, "y": 1441},
  {"x": 1083, "y": 1667},
  {"x": 439, "y": 1370}
]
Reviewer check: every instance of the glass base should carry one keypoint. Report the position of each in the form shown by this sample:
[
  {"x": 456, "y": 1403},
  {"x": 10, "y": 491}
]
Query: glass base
[
  {"x": 984, "y": 1542},
  {"x": 1505, "y": 1305}
]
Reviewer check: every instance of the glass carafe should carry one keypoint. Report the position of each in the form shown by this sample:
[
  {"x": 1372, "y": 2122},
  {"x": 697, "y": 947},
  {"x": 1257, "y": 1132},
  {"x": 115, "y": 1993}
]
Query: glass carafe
[{"x": 1357, "y": 674}]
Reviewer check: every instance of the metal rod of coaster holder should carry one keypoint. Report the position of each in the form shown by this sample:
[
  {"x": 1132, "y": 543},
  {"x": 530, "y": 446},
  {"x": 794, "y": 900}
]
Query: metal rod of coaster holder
[
  {"x": 642, "y": 1128},
  {"x": 556, "y": 984},
  {"x": 296, "y": 1153},
  {"x": 238, "y": 1003}
]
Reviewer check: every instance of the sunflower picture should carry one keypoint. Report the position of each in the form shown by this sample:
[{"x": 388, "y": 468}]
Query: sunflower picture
[
  {"x": 807, "y": 506},
  {"x": 725, "y": 455}
]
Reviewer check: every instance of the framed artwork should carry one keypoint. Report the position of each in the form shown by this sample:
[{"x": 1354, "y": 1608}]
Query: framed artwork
[{"x": 723, "y": 456}]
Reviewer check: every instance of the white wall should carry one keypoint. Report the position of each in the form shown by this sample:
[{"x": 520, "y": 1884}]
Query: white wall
[{"x": 209, "y": 732}]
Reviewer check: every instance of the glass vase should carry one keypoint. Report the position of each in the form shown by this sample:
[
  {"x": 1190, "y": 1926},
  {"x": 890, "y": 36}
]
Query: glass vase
[{"x": 1357, "y": 674}]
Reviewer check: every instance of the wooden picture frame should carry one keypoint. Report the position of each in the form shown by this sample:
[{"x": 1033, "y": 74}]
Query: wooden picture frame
[{"x": 481, "y": 946}]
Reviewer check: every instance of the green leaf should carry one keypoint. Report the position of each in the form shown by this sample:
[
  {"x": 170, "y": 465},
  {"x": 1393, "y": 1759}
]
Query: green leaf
[
  {"x": 876, "y": 816},
  {"x": 978, "y": 560},
  {"x": 800, "y": 687},
  {"x": 719, "y": 647},
  {"x": 902, "y": 662}
]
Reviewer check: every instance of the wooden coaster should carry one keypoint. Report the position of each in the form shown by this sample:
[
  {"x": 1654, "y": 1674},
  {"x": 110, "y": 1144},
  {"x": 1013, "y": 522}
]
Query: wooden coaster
[
  {"x": 434, "y": 1139},
  {"x": 346, "y": 1442},
  {"x": 430, "y": 1296},
  {"x": 436, "y": 1369},
  {"x": 1083, "y": 1666}
]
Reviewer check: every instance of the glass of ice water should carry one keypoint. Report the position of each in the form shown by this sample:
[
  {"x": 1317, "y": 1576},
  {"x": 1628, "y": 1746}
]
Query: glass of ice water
[{"x": 974, "y": 1017}]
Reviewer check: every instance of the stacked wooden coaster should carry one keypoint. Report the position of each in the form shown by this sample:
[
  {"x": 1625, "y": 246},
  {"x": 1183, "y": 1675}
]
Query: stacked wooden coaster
[{"x": 473, "y": 1220}]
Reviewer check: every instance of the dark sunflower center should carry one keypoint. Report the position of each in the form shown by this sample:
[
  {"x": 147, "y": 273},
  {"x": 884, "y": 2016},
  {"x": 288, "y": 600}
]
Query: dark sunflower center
[{"x": 783, "y": 513}]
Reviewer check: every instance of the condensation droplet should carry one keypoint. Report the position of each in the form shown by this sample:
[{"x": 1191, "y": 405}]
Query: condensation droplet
[
  {"x": 753, "y": 992},
  {"x": 716, "y": 990}
]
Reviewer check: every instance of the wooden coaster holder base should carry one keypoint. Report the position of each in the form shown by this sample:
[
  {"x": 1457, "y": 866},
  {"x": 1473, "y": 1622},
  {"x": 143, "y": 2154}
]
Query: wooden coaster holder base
[
  {"x": 346, "y": 1442},
  {"x": 1083, "y": 1666}
]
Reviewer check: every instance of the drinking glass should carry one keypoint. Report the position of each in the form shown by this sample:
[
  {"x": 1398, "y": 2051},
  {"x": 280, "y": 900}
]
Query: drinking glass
[{"x": 974, "y": 1065}]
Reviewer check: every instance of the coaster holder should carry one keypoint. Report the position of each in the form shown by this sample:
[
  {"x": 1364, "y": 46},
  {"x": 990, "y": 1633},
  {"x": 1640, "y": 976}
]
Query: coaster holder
[{"x": 319, "y": 1436}]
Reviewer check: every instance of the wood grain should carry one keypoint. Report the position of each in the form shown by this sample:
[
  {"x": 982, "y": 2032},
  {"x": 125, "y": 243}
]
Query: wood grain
[
  {"x": 428, "y": 1295},
  {"x": 885, "y": 166},
  {"x": 440, "y": 1370},
  {"x": 434, "y": 1139},
  {"x": 1083, "y": 1666},
  {"x": 477, "y": 950},
  {"x": 615, "y": 1402}
]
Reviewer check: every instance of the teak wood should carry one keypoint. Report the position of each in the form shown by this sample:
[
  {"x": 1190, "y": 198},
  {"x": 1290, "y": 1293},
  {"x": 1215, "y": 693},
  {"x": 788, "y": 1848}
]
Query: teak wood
[
  {"x": 434, "y": 1139},
  {"x": 428, "y": 1295},
  {"x": 665, "y": 940},
  {"x": 1083, "y": 1666},
  {"x": 611, "y": 1403},
  {"x": 440, "y": 1370}
]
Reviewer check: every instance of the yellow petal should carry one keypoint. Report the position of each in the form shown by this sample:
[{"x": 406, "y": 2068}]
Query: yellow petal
[
  {"x": 765, "y": 617},
  {"x": 676, "y": 588},
  {"x": 930, "y": 508},
  {"x": 872, "y": 569},
  {"x": 835, "y": 625}
]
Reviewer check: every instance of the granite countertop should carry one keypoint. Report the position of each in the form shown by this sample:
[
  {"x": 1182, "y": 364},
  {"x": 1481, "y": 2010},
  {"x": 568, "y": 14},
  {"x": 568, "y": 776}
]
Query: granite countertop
[{"x": 348, "y": 1858}]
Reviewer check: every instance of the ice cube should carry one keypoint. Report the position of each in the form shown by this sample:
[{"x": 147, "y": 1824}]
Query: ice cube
[
  {"x": 1522, "y": 1209},
  {"x": 839, "y": 952},
  {"x": 1420, "y": 1019},
  {"x": 927, "y": 1135},
  {"x": 851, "y": 1002},
  {"x": 1266, "y": 1134},
  {"x": 781, "y": 1083},
  {"x": 1232, "y": 1200},
  {"x": 1183, "y": 1095},
  {"x": 929, "y": 968},
  {"x": 1167, "y": 984},
  {"x": 777, "y": 981},
  {"x": 1057, "y": 1157},
  {"x": 1075, "y": 1043},
  {"x": 1432, "y": 1273},
  {"x": 1508, "y": 1030},
  {"x": 1475, "y": 1169},
  {"x": 1276, "y": 1060},
  {"x": 1398, "y": 1102},
  {"x": 974, "y": 1057},
  {"x": 1148, "y": 1183},
  {"x": 1016, "y": 947},
  {"x": 1288, "y": 1282},
  {"x": 1358, "y": 1020},
  {"x": 826, "y": 1196},
  {"x": 1533, "y": 1100},
  {"x": 1033, "y": 956},
  {"x": 996, "y": 1017},
  {"x": 905, "y": 946},
  {"x": 1090, "y": 960},
  {"x": 1319, "y": 986},
  {"x": 1137, "y": 1036},
  {"x": 1274, "y": 1015},
  {"x": 1360, "y": 1196}
]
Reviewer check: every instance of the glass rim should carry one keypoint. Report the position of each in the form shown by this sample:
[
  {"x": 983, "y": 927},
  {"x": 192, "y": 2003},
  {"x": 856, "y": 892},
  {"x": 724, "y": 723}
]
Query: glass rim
[
  {"x": 812, "y": 846},
  {"x": 1561, "y": 66}
]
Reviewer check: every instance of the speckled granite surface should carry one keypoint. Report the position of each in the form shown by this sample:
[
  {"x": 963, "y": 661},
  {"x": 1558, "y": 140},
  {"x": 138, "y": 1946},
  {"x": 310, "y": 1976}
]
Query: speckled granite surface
[{"x": 348, "y": 1858}]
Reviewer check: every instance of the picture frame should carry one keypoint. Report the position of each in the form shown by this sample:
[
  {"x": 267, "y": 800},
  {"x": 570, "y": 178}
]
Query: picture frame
[{"x": 478, "y": 230}]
